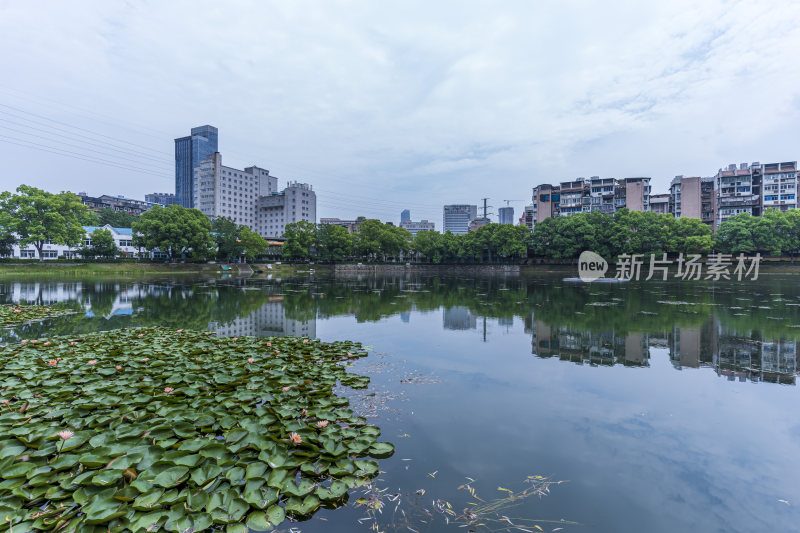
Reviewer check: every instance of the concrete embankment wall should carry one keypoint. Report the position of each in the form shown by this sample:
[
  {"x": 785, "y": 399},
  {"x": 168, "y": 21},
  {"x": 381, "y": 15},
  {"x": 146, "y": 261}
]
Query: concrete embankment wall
[{"x": 434, "y": 269}]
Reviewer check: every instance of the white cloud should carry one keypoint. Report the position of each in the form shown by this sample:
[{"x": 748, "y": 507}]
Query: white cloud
[{"x": 411, "y": 103}]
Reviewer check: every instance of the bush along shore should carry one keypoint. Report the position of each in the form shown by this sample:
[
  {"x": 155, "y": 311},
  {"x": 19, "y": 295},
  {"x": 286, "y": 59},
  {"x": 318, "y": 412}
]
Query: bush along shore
[{"x": 151, "y": 428}]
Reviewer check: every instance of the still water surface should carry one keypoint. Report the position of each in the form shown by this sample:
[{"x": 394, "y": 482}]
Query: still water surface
[{"x": 668, "y": 406}]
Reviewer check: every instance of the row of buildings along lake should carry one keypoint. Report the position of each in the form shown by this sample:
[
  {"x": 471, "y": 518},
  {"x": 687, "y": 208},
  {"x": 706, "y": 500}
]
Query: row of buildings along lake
[{"x": 745, "y": 188}]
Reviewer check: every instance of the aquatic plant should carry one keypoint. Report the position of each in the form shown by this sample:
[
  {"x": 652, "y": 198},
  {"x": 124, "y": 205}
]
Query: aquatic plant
[
  {"x": 14, "y": 315},
  {"x": 150, "y": 429}
]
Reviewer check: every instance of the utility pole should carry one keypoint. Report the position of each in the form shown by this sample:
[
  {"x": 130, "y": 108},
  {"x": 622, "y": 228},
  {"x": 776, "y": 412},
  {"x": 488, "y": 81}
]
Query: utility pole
[{"x": 485, "y": 207}]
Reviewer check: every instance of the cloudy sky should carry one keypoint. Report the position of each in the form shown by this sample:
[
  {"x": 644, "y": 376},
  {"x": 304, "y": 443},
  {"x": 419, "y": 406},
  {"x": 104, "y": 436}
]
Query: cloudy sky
[{"x": 388, "y": 105}]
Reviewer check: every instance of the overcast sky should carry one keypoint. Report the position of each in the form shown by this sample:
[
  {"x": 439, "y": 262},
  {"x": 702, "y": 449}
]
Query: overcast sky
[{"x": 386, "y": 105}]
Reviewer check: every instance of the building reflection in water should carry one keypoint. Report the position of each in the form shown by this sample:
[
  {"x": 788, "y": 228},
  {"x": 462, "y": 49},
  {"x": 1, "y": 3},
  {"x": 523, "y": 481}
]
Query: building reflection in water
[
  {"x": 243, "y": 308},
  {"x": 731, "y": 355},
  {"x": 459, "y": 318},
  {"x": 588, "y": 347},
  {"x": 268, "y": 320}
]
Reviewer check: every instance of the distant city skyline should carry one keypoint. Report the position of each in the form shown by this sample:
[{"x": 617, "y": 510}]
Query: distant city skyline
[{"x": 426, "y": 106}]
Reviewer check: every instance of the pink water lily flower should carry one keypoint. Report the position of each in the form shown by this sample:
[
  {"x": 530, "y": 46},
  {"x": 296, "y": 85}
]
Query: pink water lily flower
[
  {"x": 34, "y": 342},
  {"x": 118, "y": 367},
  {"x": 235, "y": 339},
  {"x": 322, "y": 424},
  {"x": 286, "y": 389},
  {"x": 6, "y": 402},
  {"x": 251, "y": 360},
  {"x": 73, "y": 343},
  {"x": 277, "y": 352},
  {"x": 179, "y": 330},
  {"x": 92, "y": 362},
  {"x": 305, "y": 341},
  {"x": 140, "y": 335},
  {"x": 168, "y": 390},
  {"x": 24, "y": 341},
  {"x": 146, "y": 359},
  {"x": 304, "y": 412},
  {"x": 66, "y": 434},
  {"x": 47, "y": 343},
  {"x": 295, "y": 438}
]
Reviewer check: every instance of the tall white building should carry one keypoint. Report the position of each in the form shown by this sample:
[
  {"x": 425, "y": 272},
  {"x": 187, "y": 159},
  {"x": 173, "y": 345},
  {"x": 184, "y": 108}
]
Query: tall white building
[{"x": 251, "y": 197}]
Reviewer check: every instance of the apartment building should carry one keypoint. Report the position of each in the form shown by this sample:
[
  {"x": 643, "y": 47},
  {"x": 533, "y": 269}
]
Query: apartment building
[
  {"x": 737, "y": 190},
  {"x": 115, "y": 203},
  {"x": 163, "y": 198},
  {"x": 779, "y": 185},
  {"x": 692, "y": 197},
  {"x": 659, "y": 203},
  {"x": 350, "y": 225},
  {"x": 584, "y": 195}
]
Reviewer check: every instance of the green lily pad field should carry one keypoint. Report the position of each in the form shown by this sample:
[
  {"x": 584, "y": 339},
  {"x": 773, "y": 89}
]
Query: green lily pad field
[
  {"x": 14, "y": 315},
  {"x": 153, "y": 429}
]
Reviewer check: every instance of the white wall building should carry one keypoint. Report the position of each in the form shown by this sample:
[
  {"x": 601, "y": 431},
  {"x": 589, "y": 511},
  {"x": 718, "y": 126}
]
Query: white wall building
[
  {"x": 123, "y": 238},
  {"x": 221, "y": 191},
  {"x": 416, "y": 227},
  {"x": 296, "y": 202},
  {"x": 250, "y": 197}
]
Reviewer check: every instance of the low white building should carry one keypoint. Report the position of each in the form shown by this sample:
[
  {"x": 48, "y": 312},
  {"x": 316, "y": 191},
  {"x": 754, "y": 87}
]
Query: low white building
[
  {"x": 416, "y": 227},
  {"x": 123, "y": 238}
]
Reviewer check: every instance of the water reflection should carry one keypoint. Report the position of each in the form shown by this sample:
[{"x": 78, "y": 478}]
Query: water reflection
[{"x": 743, "y": 332}]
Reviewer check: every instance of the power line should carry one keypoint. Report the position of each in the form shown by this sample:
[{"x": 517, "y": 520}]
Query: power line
[
  {"x": 81, "y": 129},
  {"x": 72, "y": 134},
  {"x": 74, "y": 145},
  {"x": 138, "y": 154}
]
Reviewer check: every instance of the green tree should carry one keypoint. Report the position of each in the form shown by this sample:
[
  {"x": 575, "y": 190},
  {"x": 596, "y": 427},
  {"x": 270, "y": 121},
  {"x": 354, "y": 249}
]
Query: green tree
[
  {"x": 792, "y": 227},
  {"x": 174, "y": 230},
  {"x": 102, "y": 244},
  {"x": 333, "y": 242},
  {"x": 7, "y": 239},
  {"x": 394, "y": 241},
  {"x": 367, "y": 241},
  {"x": 226, "y": 234},
  {"x": 116, "y": 219},
  {"x": 734, "y": 236},
  {"x": 253, "y": 244},
  {"x": 509, "y": 241},
  {"x": 689, "y": 236},
  {"x": 299, "y": 238},
  {"x": 90, "y": 218},
  {"x": 37, "y": 216},
  {"x": 430, "y": 245}
]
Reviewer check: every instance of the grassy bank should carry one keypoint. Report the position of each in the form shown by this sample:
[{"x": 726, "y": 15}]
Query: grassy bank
[
  {"x": 128, "y": 269},
  {"x": 58, "y": 269}
]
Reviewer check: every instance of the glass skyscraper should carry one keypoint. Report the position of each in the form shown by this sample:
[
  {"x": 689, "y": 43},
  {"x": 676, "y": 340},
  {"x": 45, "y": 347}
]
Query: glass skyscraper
[{"x": 190, "y": 152}]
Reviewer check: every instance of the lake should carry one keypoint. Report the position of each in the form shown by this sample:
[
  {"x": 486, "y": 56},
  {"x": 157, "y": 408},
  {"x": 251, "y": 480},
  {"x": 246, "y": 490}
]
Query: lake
[{"x": 663, "y": 406}]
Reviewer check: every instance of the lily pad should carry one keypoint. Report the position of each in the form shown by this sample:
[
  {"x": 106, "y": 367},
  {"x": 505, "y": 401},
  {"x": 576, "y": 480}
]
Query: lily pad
[{"x": 185, "y": 435}]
